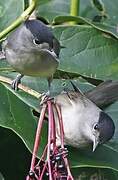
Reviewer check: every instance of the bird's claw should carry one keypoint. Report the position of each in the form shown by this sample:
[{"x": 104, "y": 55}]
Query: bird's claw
[
  {"x": 45, "y": 97},
  {"x": 15, "y": 84}
]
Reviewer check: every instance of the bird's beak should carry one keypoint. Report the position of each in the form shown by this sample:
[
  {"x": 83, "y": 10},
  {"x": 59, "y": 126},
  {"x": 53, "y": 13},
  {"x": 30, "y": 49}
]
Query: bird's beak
[
  {"x": 95, "y": 143},
  {"x": 53, "y": 53}
]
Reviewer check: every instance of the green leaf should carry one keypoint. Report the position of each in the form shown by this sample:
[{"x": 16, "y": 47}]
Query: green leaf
[
  {"x": 112, "y": 110},
  {"x": 112, "y": 11},
  {"x": 109, "y": 22},
  {"x": 53, "y": 8},
  {"x": 4, "y": 66},
  {"x": 1, "y": 177},
  {"x": 14, "y": 156},
  {"x": 16, "y": 115},
  {"x": 94, "y": 173},
  {"x": 106, "y": 28},
  {"x": 9, "y": 11},
  {"x": 103, "y": 157},
  {"x": 87, "y": 52}
]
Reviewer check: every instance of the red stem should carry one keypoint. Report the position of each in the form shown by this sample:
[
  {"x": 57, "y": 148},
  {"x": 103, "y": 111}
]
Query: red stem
[
  {"x": 53, "y": 131},
  {"x": 37, "y": 137},
  {"x": 42, "y": 173},
  {"x": 51, "y": 145},
  {"x": 62, "y": 140},
  {"x": 43, "y": 155},
  {"x": 50, "y": 117},
  {"x": 68, "y": 169},
  {"x": 60, "y": 125}
]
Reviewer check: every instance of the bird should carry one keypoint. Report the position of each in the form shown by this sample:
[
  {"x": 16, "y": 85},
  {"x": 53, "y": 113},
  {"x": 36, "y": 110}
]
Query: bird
[
  {"x": 32, "y": 50},
  {"x": 83, "y": 121}
]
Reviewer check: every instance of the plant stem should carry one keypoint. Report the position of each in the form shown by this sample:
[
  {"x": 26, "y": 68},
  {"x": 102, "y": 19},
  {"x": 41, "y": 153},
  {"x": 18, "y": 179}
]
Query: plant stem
[
  {"x": 38, "y": 137},
  {"x": 60, "y": 125},
  {"x": 19, "y": 20},
  {"x": 26, "y": 89},
  {"x": 50, "y": 119},
  {"x": 74, "y": 9}
]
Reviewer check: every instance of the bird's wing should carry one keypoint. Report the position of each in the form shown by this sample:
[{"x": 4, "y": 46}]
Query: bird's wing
[
  {"x": 56, "y": 46},
  {"x": 70, "y": 98},
  {"x": 67, "y": 98}
]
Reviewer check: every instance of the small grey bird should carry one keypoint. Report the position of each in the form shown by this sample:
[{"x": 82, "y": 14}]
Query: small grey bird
[
  {"x": 84, "y": 123},
  {"x": 32, "y": 50}
]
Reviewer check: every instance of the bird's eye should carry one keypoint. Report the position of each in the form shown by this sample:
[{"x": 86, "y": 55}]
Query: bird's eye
[
  {"x": 96, "y": 127},
  {"x": 36, "y": 41}
]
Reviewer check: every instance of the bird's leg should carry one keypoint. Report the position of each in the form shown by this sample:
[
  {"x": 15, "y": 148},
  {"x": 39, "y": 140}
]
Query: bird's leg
[
  {"x": 49, "y": 85},
  {"x": 2, "y": 56},
  {"x": 46, "y": 96},
  {"x": 16, "y": 82}
]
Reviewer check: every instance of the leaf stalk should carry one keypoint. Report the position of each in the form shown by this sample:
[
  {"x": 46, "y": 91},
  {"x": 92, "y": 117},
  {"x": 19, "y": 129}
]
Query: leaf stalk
[{"x": 25, "y": 15}]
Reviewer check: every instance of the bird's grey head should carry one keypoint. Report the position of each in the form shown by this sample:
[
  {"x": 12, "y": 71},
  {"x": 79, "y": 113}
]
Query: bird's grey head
[
  {"x": 103, "y": 130},
  {"x": 34, "y": 34},
  {"x": 43, "y": 36}
]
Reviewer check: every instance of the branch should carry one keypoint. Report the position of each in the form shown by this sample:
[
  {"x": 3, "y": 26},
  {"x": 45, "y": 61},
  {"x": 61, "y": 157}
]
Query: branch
[
  {"x": 20, "y": 19},
  {"x": 22, "y": 87}
]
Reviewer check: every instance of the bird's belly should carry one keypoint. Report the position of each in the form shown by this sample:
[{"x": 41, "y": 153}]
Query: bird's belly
[
  {"x": 72, "y": 129},
  {"x": 43, "y": 65}
]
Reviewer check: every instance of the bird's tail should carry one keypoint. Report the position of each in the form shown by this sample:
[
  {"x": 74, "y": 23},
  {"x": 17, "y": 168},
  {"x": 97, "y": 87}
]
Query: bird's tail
[{"x": 104, "y": 94}]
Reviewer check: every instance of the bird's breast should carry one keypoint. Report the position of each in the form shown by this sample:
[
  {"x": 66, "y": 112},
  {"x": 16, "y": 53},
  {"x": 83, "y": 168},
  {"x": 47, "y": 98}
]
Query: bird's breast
[
  {"x": 73, "y": 125},
  {"x": 32, "y": 63}
]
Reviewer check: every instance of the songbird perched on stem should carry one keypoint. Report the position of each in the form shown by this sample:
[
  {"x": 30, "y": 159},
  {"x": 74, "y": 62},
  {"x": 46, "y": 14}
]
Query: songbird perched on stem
[{"x": 31, "y": 49}]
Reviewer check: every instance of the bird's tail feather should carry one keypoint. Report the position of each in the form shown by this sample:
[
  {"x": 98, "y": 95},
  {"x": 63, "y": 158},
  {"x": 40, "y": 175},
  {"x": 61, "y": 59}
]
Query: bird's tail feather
[{"x": 104, "y": 94}]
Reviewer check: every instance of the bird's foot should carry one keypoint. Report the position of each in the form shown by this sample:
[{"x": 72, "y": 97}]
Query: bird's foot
[
  {"x": 45, "y": 97},
  {"x": 16, "y": 82},
  {"x": 2, "y": 55}
]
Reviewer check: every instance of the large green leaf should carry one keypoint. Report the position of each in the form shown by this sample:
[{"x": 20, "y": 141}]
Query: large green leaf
[
  {"x": 106, "y": 28},
  {"x": 57, "y": 8},
  {"x": 14, "y": 156},
  {"x": 9, "y": 11},
  {"x": 112, "y": 110},
  {"x": 94, "y": 173},
  {"x": 87, "y": 52},
  {"x": 1, "y": 177},
  {"x": 110, "y": 10},
  {"x": 16, "y": 115},
  {"x": 53, "y": 8}
]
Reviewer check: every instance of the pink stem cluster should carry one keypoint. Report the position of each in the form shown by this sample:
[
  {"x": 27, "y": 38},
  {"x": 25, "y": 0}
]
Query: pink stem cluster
[{"x": 54, "y": 163}]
